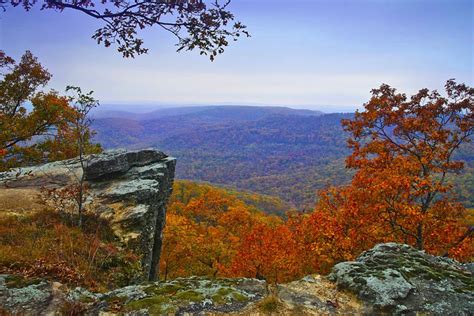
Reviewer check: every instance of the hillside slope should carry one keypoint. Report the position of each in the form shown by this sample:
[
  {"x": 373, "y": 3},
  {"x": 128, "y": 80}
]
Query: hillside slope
[
  {"x": 277, "y": 151},
  {"x": 290, "y": 156}
]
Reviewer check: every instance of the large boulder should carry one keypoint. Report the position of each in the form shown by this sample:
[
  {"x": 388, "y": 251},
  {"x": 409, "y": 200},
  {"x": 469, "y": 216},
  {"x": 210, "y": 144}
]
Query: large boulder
[
  {"x": 128, "y": 188},
  {"x": 400, "y": 279}
]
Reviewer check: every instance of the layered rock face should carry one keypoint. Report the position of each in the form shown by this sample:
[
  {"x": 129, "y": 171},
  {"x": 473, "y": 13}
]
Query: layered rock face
[
  {"x": 129, "y": 188},
  {"x": 390, "y": 279}
]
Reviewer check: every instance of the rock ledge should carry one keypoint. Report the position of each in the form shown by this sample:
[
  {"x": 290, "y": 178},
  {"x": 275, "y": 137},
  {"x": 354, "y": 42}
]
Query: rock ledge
[{"x": 129, "y": 188}]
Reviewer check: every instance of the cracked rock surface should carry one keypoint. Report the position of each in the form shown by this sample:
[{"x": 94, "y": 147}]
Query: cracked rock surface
[{"x": 129, "y": 188}]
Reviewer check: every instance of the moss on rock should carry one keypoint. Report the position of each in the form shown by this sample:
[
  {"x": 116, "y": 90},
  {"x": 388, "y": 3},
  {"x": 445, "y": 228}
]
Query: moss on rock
[
  {"x": 155, "y": 305},
  {"x": 401, "y": 279},
  {"x": 197, "y": 294}
]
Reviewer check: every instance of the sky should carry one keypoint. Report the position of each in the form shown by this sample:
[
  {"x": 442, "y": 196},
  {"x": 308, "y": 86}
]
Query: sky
[{"x": 324, "y": 55}]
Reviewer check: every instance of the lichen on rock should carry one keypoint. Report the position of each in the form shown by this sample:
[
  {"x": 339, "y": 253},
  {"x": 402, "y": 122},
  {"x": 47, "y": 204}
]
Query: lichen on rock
[
  {"x": 24, "y": 295},
  {"x": 183, "y": 295},
  {"x": 400, "y": 279}
]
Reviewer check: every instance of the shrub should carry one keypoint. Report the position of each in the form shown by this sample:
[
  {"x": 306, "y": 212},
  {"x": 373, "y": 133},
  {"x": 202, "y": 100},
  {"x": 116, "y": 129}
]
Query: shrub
[
  {"x": 48, "y": 244},
  {"x": 269, "y": 304}
]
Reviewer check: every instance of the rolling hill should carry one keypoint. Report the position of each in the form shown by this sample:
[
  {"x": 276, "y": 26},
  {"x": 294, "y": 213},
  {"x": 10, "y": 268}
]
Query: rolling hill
[{"x": 275, "y": 151}]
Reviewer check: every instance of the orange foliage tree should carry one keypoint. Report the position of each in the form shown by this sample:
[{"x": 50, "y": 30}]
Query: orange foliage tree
[
  {"x": 268, "y": 253},
  {"x": 176, "y": 255},
  {"x": 204, "y": 231},
  {"x": 34, "y": 126},
  {"x": 403, "y": 150}
]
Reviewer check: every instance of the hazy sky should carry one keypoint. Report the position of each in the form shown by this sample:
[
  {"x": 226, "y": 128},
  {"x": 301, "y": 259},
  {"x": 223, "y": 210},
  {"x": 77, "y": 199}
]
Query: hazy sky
[{"x": 303, "y": 53}]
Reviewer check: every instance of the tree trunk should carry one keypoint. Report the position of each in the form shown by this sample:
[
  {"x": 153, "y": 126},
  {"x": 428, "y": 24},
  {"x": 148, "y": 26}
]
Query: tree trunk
[{"x": 419, "y": 237}]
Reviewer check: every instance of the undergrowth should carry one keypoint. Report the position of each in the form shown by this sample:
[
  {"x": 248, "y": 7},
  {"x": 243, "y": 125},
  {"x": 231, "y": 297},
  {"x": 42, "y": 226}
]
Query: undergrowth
[{"x": 48, "y": 244}]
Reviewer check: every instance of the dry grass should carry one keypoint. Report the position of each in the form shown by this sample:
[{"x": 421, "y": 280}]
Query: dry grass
[
  {"x": 48, "y": 244},
  {"x": 270, "y": 304},
  {"x": 19, "y": 201}
]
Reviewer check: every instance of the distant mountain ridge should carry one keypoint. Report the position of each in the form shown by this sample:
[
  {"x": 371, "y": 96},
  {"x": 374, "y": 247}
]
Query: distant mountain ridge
[{"x": 227, "y": 112}]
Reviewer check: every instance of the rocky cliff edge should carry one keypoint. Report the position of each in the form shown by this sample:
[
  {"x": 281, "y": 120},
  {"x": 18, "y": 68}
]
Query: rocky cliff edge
[{"x": 128, "y": 188}]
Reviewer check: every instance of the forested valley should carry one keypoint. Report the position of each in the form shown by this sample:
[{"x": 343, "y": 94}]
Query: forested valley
[{"x": 286, "y": 153}]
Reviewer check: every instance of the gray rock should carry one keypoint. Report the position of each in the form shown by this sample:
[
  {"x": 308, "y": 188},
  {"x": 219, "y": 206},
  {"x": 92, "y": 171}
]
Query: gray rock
[
  {"x": 400, "y": 279},
  {"x": 128, "y": 188},
  {"x": 469, "y": 267},
  {"x": 116, "y": 162},
  {"x": 315, "y": 295},
  {"x": 384, "y": 288},
  {"x": 176, "y": 297},
  {"x": 80, "y": 294},
  {"x": 127, "y": 294},
  {"x": 20, "y": 297},
  {"x": 142, "y": 182}
]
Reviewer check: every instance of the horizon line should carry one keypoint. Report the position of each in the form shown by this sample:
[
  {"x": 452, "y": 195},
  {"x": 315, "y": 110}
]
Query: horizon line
[{"x": 327, "y": 108}]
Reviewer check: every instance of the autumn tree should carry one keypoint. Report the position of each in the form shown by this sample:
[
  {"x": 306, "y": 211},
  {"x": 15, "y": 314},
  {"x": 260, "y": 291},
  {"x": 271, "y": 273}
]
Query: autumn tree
[
  {"x": 74, "y": 138},
  {"x": 214, "y": 241},
  {"x": 38, "y": 126},
  {"x": 29, "y": 119},
  {"x": 403, "y": 150},
  {"x": 176, "y": 255},
  {"x": 268, "y": 252},
  {"x": 206, "y": 26},
  {"x": 204, "y": 231},
  {"x": 78, "y": 135},
  {"x": 342, "y": 225}
]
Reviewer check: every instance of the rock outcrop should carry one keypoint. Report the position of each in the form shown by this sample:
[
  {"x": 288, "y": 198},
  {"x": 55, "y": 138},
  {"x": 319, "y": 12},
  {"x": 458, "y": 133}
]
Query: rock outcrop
[
  {"x": 399, "y": 279},
  {"x": 180, "y": 296},
  {"x": 389, "y": 279},
  {"x": 128, "y": 188}
]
